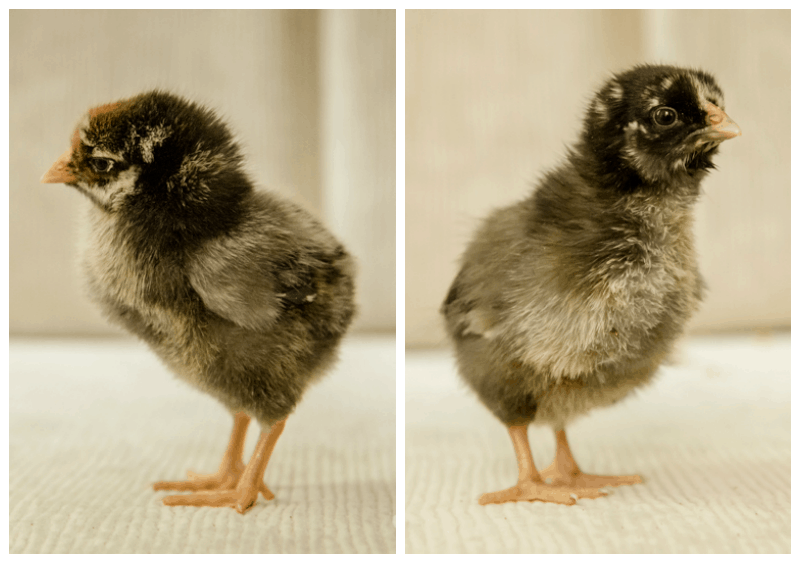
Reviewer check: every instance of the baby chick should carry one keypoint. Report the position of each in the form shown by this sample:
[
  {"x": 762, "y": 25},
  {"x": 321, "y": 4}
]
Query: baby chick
[
  {"x": 241, "y": 294},
  {"x": 572, "y": 298}
]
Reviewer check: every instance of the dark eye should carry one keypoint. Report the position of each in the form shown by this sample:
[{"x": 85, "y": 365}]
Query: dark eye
[
  {"x": 665, "y": 116},
  {"x": 101, "y": 164}
]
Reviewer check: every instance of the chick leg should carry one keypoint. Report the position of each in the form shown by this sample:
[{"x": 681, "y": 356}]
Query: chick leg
[
  {"x": 565, "y": 471},
  {"x": 244, "y": 496},
  {"x": 530, "y": 485},
  {"x": 231, "y": 468}
]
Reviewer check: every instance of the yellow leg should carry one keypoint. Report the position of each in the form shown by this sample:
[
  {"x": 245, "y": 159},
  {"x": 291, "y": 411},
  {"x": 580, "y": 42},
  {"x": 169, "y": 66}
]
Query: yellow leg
[
  {"x": 230, "y": 469},
  {"x": 530, "y": 485}
]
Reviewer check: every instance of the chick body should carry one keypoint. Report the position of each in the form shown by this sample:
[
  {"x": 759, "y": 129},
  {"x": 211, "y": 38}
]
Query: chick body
[
  {"x": 212, "y": 312},
  {"x": 572, "y": 299}
]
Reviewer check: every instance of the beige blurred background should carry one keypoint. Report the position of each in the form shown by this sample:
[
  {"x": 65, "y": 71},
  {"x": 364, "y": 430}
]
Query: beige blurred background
[
  {"x": 311, "y": 95},
  {"x": 493, "y": 98}
]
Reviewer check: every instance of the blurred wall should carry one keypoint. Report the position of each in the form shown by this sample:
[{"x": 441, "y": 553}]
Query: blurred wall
[{"x": 493, "y": 98}]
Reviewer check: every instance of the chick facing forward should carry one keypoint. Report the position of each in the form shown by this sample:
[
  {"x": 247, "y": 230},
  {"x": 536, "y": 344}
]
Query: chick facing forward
[
  {"x": 572, "y": 298},
  {"x": 240, "y": 294}
]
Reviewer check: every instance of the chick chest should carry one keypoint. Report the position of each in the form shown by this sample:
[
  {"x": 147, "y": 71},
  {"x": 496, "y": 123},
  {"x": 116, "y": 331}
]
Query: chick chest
[{"x": 144, "y": 292}]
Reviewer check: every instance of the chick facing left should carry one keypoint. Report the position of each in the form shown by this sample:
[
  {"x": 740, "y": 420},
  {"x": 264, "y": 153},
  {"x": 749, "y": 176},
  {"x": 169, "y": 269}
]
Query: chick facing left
[{"x": 242, "y": 294}]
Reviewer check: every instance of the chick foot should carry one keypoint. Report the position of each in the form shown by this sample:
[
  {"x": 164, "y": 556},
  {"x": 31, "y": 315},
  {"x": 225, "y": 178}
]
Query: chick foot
[
  {"x": 225, "y": 479},
  {"x": 579, "y": 479},
  {"x": 564, "y": 471},
  {"x": 539, "y": 490},
  {"x": 244, "y": 495},
  {"x": 242, "y": 498}
]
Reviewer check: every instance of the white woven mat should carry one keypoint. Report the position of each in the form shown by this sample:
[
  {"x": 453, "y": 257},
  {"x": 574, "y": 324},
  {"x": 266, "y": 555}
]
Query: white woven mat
[
  {"x": 711, "y": 438},
  {"x": 93, "y": 423}
]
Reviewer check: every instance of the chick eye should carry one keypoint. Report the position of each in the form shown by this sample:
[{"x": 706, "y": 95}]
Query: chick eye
[
  {"x": 665, "y": 116},
  {"x": 101, "y": 164}
]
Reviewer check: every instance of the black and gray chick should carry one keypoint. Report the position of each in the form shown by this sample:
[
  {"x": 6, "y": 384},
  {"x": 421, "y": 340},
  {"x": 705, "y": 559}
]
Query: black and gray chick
[
  {"x": 241, "y": 294},
  {"x": 573, "y": 297}
]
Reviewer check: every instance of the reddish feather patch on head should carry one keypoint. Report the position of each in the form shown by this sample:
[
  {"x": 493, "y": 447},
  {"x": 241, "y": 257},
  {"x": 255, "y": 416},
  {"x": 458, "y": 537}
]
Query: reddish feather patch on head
[
  {"x": 94, "y": 112},
  {"x": 105, "y": 108}
]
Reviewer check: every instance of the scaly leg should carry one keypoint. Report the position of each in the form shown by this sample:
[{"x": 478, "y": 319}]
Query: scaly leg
[
  {"x": 244, "y": 496},
  {"x": 530, "y": 485},
  {"x": 229, "y": 472}
]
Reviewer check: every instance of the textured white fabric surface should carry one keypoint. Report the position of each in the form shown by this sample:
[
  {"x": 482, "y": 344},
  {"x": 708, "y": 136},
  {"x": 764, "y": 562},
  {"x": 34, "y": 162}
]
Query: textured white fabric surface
[
  {"x": 94, "y": 423},
  {"x": 711, "y": 438}
]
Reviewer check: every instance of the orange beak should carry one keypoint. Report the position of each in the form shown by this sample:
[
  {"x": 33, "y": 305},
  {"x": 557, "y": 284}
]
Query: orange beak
[
  {"x": 720, "y": 126},
  {"x": 59, "y": 173}
]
